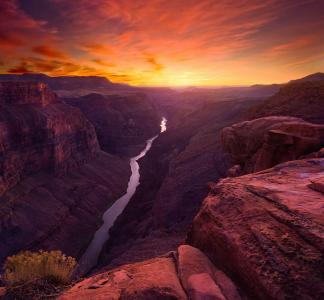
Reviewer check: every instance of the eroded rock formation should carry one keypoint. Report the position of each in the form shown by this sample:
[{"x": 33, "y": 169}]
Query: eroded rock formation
[
  {"x": 262, "y": 143},
  {"x": 38, "y": 132}
]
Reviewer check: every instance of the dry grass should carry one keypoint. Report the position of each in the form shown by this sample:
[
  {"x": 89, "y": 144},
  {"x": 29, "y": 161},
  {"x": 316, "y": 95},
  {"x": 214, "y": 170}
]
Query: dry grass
[{"x": 39, "y": 273}]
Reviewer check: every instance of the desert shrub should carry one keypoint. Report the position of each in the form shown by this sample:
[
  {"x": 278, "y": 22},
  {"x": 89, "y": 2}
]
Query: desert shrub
[{"x": 52, "y": 267}]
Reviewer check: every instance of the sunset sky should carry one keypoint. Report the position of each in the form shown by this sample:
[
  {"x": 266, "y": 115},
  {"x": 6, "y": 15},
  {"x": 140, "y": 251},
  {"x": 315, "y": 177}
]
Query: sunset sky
[{"x": 164, "y": 43}]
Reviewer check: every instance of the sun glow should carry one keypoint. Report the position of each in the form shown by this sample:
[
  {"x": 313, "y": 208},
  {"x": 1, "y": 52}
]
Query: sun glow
[{"x": 164, "y": 43}]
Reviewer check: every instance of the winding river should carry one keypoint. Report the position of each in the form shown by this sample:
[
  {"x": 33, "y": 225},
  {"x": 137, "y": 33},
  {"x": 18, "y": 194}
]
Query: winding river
[{"x": 90, "y": 257}]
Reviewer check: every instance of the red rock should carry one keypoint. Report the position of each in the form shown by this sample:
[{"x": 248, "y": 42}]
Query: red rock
[
  {"x": 318, "y": 154},
  {"x": 38, "y": 133},
  {"x": 202, "y": 287},
  {"x": 2, "y": 292},
  {"x": 184, "y": 274},
  {"x": 317, "y": 184},
  {"x": 262, "y": 143},
  {"x": 151, "y": 280},
  {"x": 201, "y": 279},
  {"x": 12, "y": 93},
  {"x": 266, "y": 230}
]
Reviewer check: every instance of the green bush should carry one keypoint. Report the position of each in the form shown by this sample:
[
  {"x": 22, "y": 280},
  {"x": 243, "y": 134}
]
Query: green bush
[{"x": 51, "y": 267}]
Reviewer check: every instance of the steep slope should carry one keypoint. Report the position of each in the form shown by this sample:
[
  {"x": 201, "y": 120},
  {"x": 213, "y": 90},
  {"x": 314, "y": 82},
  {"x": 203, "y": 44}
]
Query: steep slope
[
  {"x": 312, "y": 77},
  {"x": 40, "y": 132},
  {"x": 174, "y": 177},
  {"x": 53, "y": 174},
  {"x": 299, "y": 99},
  {"x": 122, "y": 122}
]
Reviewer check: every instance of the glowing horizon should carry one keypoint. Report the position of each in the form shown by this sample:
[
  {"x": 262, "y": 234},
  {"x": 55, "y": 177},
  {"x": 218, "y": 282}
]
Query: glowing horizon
[{"x": 164, "y": 43}]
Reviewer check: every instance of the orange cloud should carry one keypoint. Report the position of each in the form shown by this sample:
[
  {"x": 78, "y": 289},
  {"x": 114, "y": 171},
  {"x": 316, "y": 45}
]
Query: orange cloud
[
  {"x": 49, "y": 51},
  {"x": 97, "y": 49},
  {"x": 103, "y": 63},
  {"x": 20, "y": 69},
  {"x": 152, "y": 60},
  {"x": 160, "y": 42}
]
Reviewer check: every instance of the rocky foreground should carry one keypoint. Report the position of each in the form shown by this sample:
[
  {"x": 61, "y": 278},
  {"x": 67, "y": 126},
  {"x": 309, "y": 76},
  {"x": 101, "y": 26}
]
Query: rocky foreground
[
  {"x": 267, "y": 230},
  {"x": 257, "y": 236},
  {"x": 263, "y": 234},
  {"x": 180, "y": 274}
]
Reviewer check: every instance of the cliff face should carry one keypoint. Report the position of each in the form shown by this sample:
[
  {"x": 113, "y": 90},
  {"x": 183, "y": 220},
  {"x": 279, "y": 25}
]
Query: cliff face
[
  {"x": 26, "y": 93},
  {"x": 122, "y": 122},
  {"x": 38, "y": 132},
  {"x": 53, "y": 174},
  {"x": 262, "y": 143},
  {"x": 304, "y": 99}
]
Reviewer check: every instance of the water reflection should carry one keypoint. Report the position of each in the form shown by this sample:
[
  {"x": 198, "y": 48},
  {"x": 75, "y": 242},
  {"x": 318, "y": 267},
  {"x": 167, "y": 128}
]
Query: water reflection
[{"x": 90, "y": 257}]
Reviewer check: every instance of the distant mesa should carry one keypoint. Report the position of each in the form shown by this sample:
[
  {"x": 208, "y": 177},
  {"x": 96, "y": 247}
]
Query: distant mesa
[
  {"x": 312, "y": 77},
  {"x": 64, "y": 85},
  {"x": 300, "y": 98}
]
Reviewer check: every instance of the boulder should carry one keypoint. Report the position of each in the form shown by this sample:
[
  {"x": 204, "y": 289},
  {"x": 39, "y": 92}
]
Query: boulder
[
  {"x": 184, "y": 274},
  {"x": 266, "y": 230},
  {"x": 151, "y": 280},
  {"x": 201, "y": 279}
]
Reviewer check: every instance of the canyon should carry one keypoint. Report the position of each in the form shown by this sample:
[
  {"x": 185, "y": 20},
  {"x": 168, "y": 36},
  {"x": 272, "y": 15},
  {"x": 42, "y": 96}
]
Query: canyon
[
  {"x": 53, "y": 173},
  {"x": 229, "y": 202}
]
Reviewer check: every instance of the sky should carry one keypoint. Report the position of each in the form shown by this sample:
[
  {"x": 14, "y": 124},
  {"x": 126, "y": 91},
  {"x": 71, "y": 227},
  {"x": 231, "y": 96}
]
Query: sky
[{"x": 164, "y": 42}]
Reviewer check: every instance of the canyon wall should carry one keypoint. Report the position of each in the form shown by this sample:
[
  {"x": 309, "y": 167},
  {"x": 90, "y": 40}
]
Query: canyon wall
[
  {"x": 122, "y": 122},
  {"x": 53, "y": 174},
  {"x": 38, "y": 132}
]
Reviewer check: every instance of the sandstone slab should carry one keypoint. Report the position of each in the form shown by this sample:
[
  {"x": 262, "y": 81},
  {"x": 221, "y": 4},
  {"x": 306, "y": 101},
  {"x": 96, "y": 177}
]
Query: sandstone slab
[
  {"x": 151, "y": 280},
  {"x": 266, "y": 230}
]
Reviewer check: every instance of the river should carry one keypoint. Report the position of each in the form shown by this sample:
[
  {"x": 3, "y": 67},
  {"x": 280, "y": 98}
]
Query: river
[{"x": 90, "y": 257}]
